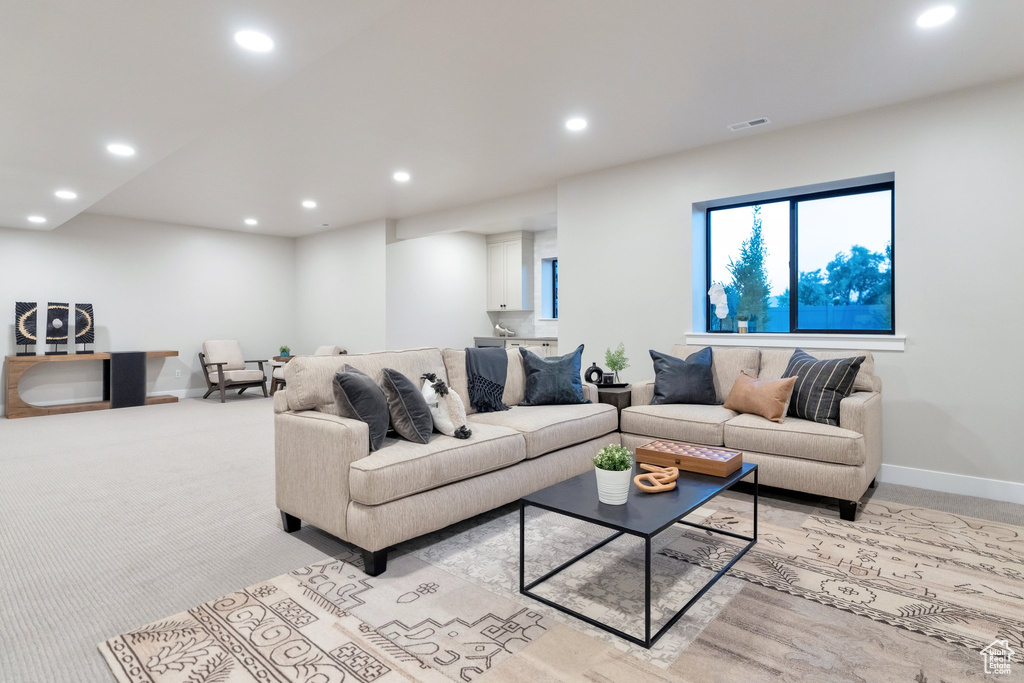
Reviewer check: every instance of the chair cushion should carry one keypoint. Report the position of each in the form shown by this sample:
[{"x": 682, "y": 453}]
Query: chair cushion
[
  {"x": 238, "y": 376},
  {"x": 550, "y": 428},
  {"x": 700, "y": 424},
  {"x": 227, "y": 351},
  {"x": 401, "y": 468},
  {"x": 279, "y": 373},
  {"x": 795, "y": 438}
]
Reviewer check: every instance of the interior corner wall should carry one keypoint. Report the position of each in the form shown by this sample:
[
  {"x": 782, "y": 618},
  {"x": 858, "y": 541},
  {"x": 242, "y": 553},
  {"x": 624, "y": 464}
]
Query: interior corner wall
[
  {"x": 154, "y": 286},
  {"x": 437, "y": 291},
  {"x": 952, "y": 399},
  {"x": 340, "y": 289}
]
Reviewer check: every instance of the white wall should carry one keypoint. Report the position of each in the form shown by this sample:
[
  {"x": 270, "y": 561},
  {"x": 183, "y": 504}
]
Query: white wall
[
  {"x": 340, "y": 284},
  {"x": 153, "y": 286},
  {"x": 437, "y": 291},
  {"x": 952, "y": 400}
]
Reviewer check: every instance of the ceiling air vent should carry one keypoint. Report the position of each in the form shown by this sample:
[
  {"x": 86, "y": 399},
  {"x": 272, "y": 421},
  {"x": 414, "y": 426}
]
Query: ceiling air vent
[{"x": 752, "y": 123}]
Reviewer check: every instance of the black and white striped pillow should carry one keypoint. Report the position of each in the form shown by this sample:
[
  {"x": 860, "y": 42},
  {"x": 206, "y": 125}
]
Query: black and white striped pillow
[{"x": 820, "y": 385}]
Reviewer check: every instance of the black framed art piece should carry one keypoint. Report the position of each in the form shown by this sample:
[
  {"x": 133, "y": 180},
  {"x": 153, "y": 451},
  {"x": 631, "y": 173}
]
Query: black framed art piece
[
  {"x": 57, "y": 327},
  {"x": 25, "y": 325},
  {"x": 85, "y": 327}
]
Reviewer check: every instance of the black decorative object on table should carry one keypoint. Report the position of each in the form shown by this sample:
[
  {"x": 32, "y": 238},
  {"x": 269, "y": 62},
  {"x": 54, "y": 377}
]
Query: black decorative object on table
[
  {"x": 57, "y": 327},
  {"x": 25, "y": 325},
  {"x": 645, "y": 515},
  {"x": 593, "y": 374},
  {"x": 126, "y": 386},
  {"x": 85, "y": 327}
]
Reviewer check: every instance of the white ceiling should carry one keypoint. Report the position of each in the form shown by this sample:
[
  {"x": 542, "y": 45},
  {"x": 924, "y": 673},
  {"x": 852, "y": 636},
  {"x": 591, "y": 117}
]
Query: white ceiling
[{"x": 468, "y": 95}]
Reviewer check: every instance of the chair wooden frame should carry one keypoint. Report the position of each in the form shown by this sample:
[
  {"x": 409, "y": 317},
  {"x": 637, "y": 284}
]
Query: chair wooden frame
[{"x": 226, "y": 384}]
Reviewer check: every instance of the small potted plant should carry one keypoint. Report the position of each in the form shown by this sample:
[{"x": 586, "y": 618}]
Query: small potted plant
[
  {"x": 285, "y": 352},
  {"x": 741, "y": 323},
  {"x": 616, "y": 360},
  {"x": 613, "y": 466}
]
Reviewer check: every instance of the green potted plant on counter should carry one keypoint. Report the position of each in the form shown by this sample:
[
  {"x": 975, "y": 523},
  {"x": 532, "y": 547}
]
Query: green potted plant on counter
[
  {"x": 285, "y": 352},
  {"x": 613, "y": 466}
]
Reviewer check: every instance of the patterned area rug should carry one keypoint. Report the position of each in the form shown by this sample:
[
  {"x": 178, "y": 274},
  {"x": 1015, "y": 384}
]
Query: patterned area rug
[
  {"x": 950, "y": 577},
  {"x": 448, "y": 607}
]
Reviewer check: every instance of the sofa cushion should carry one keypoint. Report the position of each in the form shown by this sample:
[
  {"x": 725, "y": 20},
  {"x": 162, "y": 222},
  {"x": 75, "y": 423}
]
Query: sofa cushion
[
  {"x": 684, "y": 380},
  {"x": 699, "y": 424},
  {"x": 774, "y": 362},
  {"x": 768, "y": 398},
  {"x": 358, "y": 397},
  {"x": 553, "y": 381},
  {"x": 795, "y": 438},
  {"x": 401, "y": 468},
  {"x": 820, "y": 385},
  {"x": 227, "y": 351},
  {"x": 550, "y": 428},
  {"x": 515, "y": 381},
  {"x": 726, "y": 363},
  {"x": 309, "y": 378},
  {"x": 238, "y": 376}
]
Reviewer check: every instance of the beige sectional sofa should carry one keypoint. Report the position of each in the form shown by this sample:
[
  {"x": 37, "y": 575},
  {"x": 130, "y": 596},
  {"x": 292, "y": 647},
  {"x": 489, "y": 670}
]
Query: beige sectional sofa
[
  {"x": 327, "y": 476},
  {"x": 800, "y": 455}
]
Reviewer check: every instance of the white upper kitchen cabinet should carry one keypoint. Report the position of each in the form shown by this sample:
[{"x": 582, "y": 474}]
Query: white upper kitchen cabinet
[{"x": 510, "y": 272}]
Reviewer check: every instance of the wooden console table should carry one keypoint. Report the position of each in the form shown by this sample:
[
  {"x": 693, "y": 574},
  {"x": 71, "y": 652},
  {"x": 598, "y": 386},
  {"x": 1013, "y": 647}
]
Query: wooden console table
[{"x": 17, "y": 366}]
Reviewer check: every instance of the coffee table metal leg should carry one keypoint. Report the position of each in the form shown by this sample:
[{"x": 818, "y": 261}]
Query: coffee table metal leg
[
  {"x": 647, "y": 591},
  {"x": 522, "y": 545}
]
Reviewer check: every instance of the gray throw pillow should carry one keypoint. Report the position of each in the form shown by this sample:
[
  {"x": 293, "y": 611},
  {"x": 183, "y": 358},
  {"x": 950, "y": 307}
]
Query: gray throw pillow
[
  {"x": 410, "y": 414},
  {"x": 820, "y": 386},
  {"x": 553, "y": 381},
  {"x": 684, "y": 381},
  {"x": 358, "y": 397}
]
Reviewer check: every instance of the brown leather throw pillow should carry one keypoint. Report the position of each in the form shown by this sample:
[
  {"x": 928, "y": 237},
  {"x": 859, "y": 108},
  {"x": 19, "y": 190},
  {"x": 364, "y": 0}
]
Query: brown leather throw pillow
[{"x": 768, "y": 398}]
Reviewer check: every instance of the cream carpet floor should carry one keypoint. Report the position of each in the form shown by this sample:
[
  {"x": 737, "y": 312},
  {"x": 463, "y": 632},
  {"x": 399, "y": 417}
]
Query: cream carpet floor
[{"x": 115, "y": 519}]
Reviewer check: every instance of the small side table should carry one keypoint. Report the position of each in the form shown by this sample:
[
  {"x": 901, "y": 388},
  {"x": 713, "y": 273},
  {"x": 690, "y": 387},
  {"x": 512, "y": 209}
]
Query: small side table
[
  {"x": 278, "y": 364},
  {"x": 620, "y": 397}
]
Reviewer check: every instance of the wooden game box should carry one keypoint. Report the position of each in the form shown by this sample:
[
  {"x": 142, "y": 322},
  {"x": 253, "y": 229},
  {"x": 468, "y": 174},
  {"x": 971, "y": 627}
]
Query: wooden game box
[{"x": 719, "y": 462}]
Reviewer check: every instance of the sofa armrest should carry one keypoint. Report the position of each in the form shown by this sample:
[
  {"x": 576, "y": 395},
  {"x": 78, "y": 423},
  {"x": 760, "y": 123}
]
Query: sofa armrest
[
  {"x": 590, "y": 392},
  {"x": 641, "y": 393},
  {"x": 312, "y": 455},
  {"x": 861, "y": 412}
]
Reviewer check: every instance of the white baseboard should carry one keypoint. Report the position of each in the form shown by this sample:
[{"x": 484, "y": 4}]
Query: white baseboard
[{"x": 995, "y": 489}]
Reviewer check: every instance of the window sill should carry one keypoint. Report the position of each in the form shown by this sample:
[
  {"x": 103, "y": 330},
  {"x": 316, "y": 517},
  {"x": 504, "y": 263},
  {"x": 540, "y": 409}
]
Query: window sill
[
  {"x": 548, "y": 320},
  {"x": 868, "y": 342}
]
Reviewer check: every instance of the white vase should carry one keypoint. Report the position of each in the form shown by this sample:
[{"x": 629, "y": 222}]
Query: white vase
[
  {"x": 613, "y": 487},
  {"x": 741, "y": 326}
]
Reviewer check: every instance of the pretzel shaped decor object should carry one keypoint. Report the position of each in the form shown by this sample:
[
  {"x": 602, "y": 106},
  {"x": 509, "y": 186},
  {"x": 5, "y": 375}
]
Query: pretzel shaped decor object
[{"x": 656, "y": 479}]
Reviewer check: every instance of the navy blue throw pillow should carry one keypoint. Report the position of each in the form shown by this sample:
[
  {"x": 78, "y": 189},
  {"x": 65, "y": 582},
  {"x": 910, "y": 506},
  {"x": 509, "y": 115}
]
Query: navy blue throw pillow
[
  {"x": 553, "y": 381},
  {"x": 684, "y": 381}
]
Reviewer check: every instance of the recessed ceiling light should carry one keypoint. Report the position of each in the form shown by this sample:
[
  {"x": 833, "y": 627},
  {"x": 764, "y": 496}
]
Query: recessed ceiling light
[
  {"x": 121, "y": 149},
  {"x": 402, "y": 176},
  {"x": 254, "y": 41},
  {"x": 309, "y": 203},
  {"x": 936, "y": 16},
  {"x": 66, "y": 194},
  {"x": 251, "y": 221},
  {"x": 576, "y": 124},
  {"x": 36, "y": 219}
]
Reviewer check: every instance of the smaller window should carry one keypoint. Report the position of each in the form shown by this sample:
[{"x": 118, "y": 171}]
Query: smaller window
[{"x": 554, "y": 288}]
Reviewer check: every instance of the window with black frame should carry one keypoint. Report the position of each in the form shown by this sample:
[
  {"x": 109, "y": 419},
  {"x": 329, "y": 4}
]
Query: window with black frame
[
  {"x": 815, "y": 263},
  {"x": 554, "y": 288}
]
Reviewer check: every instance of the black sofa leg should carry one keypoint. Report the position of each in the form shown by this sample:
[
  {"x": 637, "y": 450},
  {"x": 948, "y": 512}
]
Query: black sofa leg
[
  {"x": 290, "y": 523},
  {"x": 848, "y": 510},
  {"x": 375, "y": 562},
  {"x": 872, "y": 484}
]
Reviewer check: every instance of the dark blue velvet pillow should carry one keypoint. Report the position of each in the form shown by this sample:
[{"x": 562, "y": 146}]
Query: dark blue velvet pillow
[{"x": 553, "y": 381}]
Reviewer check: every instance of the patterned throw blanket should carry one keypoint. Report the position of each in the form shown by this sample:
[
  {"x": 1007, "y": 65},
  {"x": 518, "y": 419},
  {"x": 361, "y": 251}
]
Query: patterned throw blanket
[{"x": 486, "y": 369}]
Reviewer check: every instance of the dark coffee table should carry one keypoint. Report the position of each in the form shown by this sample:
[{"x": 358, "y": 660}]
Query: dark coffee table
[{"x": 644, "y": 515}]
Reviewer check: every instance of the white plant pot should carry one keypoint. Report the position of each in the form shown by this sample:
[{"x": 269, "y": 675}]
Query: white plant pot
[
  {"x": 741, "y": 326},
  {"x": 613, "y": 487}
]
